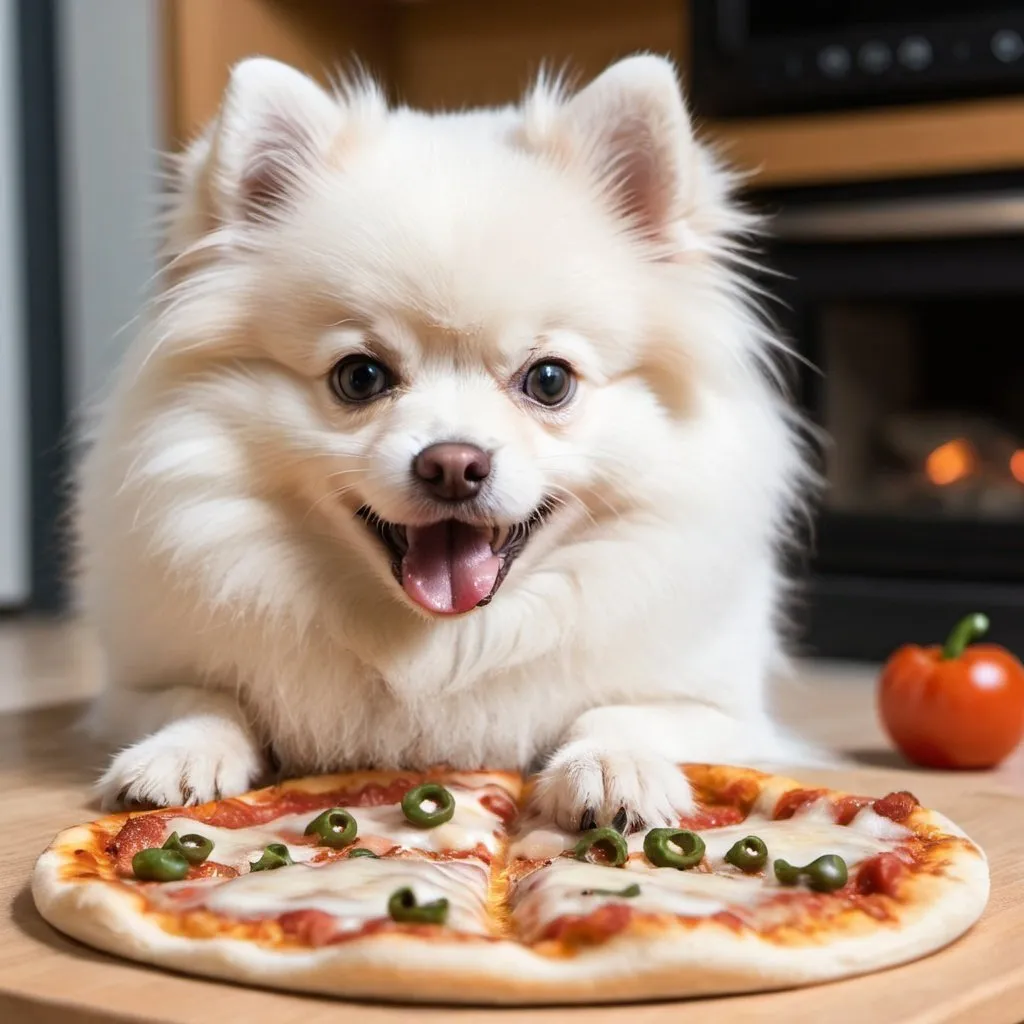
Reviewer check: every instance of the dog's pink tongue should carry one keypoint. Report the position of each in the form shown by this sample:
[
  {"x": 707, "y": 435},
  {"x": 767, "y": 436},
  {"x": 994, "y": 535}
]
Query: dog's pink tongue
[{"x": 449, "y": 567}]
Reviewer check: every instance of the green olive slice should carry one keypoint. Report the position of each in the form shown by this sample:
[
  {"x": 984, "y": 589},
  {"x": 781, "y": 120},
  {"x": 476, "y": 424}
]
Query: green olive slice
[
  {"x": 673, "y": 848},
  {"x": 749, "y": 854},
  {"x": 275, "y": 855},
  {"x": 362, "y": 851},
  {"x": 335, "y": 828},
  {"x": 193, "y": 847},
  {"x": 432, "y": 792},
  {"x": 157, "y": 865},
  {"x": 786, "y": 873},
  {"x": 824, "y": 874},
  {"x": 602, "y": 846},
  {"x": 402, "y": 907}
]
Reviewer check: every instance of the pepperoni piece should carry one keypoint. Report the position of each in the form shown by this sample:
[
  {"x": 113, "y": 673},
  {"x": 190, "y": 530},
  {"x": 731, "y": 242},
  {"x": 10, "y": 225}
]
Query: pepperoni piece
[
  {"x": 500, "y": 804},
  {"x": 604, "y": 922},
  {"x": 236, "y": 814},
  {"x": 848, "y": 806},
  {"x": 791, "y": 802},
  {"x": 896, "y": 806},
  {"x": 138, "y": 833},
  {"x": 880, "y": 874},
  {"x": 711, "y": 817},
  {"x": 211, "y": 869},
  {"x": 310, "y": 927}
]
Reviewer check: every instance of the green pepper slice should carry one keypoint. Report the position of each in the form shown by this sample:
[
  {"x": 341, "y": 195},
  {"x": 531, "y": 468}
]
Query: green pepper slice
[
  {"x": 786, "y": 873},
  {"x": 194, "y": 848},
  {"x": 158, "y": 865},
  {"x": 749, "y": 854},
  {"x": 627, "y": 894},
  {"x": 602, "y": 846},
  {"x": 688, "y": 852},
  {"x": 402, "y": 907},
  {"x": 416, "y": 814},
  {"x": 824, "y": 874},
  {"x": 362, "y": 851},
  {"x": 335, "y": 827},
  {"x": 275, "y": 855}
]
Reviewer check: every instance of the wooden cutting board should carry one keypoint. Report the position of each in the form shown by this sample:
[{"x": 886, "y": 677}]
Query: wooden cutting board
[{"x": 45, "y": 774}]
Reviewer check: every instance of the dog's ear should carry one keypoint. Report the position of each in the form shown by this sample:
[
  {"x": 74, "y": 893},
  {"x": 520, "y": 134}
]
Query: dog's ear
[
  {"x": 630, "y": 130},
  {"x": 275, "y": 125}
]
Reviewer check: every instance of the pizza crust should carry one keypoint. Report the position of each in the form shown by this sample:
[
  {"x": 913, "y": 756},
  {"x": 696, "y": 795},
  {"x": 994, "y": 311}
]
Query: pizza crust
[
  {"x": 676, "y": 963},
  {"x": 666, "y": 959}
]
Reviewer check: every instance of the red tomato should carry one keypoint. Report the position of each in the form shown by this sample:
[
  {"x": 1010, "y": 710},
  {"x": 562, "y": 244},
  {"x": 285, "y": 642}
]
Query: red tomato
[{"x": 954, "y": 706}]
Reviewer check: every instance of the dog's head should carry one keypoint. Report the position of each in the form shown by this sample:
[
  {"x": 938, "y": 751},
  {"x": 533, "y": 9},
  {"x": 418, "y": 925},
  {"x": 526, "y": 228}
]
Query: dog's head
[{"x": 439, "y": 339}]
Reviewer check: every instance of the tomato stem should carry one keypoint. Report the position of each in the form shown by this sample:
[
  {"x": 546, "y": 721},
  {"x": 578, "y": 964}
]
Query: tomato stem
[{"x": 969, "y": 628}]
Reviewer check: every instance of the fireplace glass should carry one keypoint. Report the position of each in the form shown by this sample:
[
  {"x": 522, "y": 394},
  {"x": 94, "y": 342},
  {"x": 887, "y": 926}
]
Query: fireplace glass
[
  {"x": 914, "y": 373},
  {"x": 923, "y": 401}
]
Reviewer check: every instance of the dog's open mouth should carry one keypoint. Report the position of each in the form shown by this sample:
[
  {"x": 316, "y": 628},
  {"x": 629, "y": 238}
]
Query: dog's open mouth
[{"x": 451, "y": 567}]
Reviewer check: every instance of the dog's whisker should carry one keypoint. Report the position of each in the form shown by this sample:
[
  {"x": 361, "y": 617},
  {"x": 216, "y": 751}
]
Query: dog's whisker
[
  {"x": 559, "y": 489},
  {"x": 331, "y": 495}
]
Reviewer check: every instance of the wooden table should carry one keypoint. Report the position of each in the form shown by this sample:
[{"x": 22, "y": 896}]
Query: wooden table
[{"x": 46, "y": 772}]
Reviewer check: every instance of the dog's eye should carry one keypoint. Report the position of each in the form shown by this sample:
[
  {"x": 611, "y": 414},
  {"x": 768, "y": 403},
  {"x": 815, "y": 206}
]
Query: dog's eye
[
  {"x": 549, "y": 383},
  {"x": 358, "y": 379}
]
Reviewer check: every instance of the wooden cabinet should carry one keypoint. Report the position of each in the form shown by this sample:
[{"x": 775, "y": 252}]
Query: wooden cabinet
[
  {"x": 430, "y": 53},
  {"x": 456, "y": 53}
]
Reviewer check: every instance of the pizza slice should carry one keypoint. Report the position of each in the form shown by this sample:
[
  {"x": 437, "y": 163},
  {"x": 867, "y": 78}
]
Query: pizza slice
[
  {"x": 768, "y": 884},
  {"x": 306, "y": 864}
]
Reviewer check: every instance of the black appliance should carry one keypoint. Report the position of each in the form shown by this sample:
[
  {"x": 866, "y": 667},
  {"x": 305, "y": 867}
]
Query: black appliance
[
  {"x": 907, "y": 302},
  {"x": 762, "y": 57}
]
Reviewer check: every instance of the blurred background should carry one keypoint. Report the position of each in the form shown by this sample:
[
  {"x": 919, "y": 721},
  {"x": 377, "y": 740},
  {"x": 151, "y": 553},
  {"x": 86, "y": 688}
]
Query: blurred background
[{"x": 884, "y": 138}]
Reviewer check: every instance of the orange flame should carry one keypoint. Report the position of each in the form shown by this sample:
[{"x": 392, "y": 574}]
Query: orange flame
[
  {"x": 1017, "y": 465},
  {"x": 952, "y": 461}
]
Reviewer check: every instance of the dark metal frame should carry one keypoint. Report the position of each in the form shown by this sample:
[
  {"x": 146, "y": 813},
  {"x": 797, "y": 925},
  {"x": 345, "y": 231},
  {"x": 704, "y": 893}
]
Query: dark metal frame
[{"x": 44, "y": 306}]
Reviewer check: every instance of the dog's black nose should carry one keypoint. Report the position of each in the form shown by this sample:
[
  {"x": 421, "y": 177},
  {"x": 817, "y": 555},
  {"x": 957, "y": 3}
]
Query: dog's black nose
[{"x": 452, "y": 472}]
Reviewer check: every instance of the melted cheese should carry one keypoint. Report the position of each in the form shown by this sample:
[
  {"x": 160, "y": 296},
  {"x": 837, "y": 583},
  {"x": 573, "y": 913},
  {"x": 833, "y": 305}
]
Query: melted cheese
[
  {"x": 239, "y": 847},
  {"x": 352, "y": 891},
  {"x": 565, "y": 888},
  {"x": 541, "y": 844},
  {"x": 472, "y": 824},
  {"x": 560, "y": 888},
  {"x": 800, "y": 839},
  {"x": 804, "y": 838}
]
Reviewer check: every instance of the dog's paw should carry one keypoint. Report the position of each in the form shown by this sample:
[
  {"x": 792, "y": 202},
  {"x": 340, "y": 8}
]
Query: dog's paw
[
  {"x": 585, "y": 785},
  {"x": 188, "y": 762}
]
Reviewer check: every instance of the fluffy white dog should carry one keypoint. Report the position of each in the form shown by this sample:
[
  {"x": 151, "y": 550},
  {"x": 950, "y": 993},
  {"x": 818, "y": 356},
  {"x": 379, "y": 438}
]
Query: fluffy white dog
[{"x": 449, "y": 439}]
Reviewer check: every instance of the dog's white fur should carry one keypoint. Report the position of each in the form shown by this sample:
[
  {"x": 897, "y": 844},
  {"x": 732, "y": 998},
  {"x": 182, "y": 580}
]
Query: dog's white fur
[{"x": 242, "y": 606}]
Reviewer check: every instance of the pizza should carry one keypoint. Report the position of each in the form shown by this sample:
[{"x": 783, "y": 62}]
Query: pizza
[{"x": 438, "y": 887}]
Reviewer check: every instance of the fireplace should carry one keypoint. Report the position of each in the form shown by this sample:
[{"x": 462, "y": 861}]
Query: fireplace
[
  {"x": 924, "y": 401},
  {"x": 912, "y": 326}
]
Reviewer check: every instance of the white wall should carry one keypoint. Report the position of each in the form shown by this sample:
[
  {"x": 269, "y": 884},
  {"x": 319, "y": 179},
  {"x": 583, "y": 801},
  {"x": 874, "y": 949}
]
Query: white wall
[
  {"x": 14, "y": 484},
  {"x": 109, "y": 56}
]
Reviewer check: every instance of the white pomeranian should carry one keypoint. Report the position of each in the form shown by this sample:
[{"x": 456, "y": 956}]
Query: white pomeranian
[{"x": 449, "y": 439}]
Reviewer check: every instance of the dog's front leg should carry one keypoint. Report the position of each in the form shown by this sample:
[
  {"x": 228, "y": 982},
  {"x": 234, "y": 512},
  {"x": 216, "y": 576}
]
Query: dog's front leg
[
  {"x": 619, "y": 764},
  {"x": 187, "y": 745}
]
